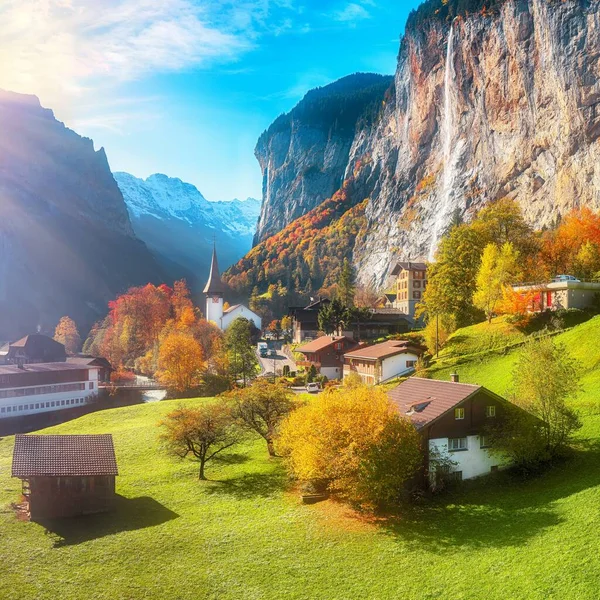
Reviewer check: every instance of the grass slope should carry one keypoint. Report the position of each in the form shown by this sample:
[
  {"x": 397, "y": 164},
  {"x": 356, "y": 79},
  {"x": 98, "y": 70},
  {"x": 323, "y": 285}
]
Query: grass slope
[{"x": 242, "y": 535}]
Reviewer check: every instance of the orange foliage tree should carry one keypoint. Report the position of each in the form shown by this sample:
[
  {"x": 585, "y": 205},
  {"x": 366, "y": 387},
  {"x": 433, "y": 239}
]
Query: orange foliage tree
[
  {"x": 66, "y": 333},
  {"x": 180, "y": 363}
]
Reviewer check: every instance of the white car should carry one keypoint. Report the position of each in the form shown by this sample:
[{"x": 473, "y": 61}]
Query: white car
[{"x": 313, "y": 388}]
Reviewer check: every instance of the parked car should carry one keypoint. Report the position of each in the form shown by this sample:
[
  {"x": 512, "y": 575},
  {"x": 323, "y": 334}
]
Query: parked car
[
  {"x": 313, "y": 388},
  {"x": 561, "y": 278},
  {"x": 272, "y": 352}
]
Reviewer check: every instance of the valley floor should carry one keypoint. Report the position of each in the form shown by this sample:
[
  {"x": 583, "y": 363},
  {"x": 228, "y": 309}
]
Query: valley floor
[{"x": 245, "y": 535}]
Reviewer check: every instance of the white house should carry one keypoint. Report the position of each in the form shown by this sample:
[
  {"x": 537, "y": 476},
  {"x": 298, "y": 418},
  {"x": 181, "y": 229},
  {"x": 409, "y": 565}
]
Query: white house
[
  {"x": 45, "y": 387},
  {"x": 215, "y": 290},
  {"x": 452, "y": 419},
  {"x": 382, "y": 361}
]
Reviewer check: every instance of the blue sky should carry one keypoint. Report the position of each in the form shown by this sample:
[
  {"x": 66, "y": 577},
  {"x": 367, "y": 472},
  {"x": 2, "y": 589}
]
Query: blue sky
[{"x": 185, "y": 87}]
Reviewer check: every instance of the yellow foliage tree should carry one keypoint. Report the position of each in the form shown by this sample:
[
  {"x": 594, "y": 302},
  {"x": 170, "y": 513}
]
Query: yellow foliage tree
[
  {"x": 180, "y": 362},
  {"x": 66, "y": 333},
  {"x": 498, "y": 269},
  {"x": 356, "y": 441}
]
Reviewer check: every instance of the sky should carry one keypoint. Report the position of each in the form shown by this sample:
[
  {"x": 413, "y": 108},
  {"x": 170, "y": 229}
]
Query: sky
[{"x": 185, "y": 87}]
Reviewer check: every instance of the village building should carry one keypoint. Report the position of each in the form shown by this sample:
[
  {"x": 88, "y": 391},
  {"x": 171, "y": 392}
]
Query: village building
[
  {"x": 410, "y": 281},
  {"x": 35, "y": 348},
  {"x": 382, "y": 322},
  {"x": 326, "y": 354},
  {"x": 381, "y": 362},
  {"x": 215, "y": 292},
  {"x": 452, "y": 418},
  {"x": 563, "y": 294},
  {"x": 86, "y": 360},
  {"x": 45, "y": 387},
  {"x": 65, "y": 475}
]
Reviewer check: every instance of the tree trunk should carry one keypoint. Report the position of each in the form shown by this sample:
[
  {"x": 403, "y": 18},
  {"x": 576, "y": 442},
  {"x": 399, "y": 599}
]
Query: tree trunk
[
  {"x": 271, "y": 447},
  {"x": 201, "y": 475}
]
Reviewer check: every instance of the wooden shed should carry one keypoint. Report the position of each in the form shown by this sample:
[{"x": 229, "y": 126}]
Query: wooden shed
[{"x": 65, "y": 475}]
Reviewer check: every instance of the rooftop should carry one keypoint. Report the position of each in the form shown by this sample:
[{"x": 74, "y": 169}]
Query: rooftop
[
  {"x": 64, "y": 456},
  {"x": 214, "y": 285},
  {"x": 409, "y": 266},
  {"x": 320, "y": 343},
  {"x": 424, "y": 400},
  {"x": 384, "y": 350},
  {"x": 232, "y": 308},
  {"x": 41, "y": 368}
]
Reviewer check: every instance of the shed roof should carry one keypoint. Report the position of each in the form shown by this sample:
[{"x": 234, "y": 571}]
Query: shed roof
[
  {"x": 424, "y": 400},
  {"x": 64, "y": 456}
]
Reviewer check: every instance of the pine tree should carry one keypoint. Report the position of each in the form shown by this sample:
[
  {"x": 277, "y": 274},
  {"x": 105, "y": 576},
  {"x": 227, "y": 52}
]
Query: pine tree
[{"x": 346, "y": 285}]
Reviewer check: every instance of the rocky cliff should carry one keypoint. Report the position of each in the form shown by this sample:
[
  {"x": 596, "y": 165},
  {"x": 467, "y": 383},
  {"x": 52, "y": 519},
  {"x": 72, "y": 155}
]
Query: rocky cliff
[
  {"x": 486, "y": 102},
  {"x": 175, "y": 221},
  {"x": 66, "y": 242},
  {"x": 304, "y": 154}
]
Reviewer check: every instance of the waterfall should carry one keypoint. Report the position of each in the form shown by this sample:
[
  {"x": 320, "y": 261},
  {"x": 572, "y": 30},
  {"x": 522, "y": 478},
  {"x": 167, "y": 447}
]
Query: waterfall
[{"x": 451, "y": 150}]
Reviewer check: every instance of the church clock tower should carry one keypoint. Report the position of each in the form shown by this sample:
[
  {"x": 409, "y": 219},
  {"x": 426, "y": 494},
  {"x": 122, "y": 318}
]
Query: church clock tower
[{"x": 214, "y": 291}]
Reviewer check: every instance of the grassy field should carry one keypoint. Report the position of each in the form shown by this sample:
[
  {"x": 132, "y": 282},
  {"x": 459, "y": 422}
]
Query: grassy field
[{"x": 244, "y": 534}]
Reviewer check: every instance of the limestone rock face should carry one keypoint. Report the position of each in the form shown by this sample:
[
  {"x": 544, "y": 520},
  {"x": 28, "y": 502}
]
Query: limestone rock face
[
  {"x": 304, "y": 154},
  {"x": 486, "y": 106},
  {"x": 502, "y": 102}
]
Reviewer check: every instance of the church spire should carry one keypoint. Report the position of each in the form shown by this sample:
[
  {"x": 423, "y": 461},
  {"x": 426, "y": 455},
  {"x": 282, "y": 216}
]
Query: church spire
[{"x": 214, "y": 285}]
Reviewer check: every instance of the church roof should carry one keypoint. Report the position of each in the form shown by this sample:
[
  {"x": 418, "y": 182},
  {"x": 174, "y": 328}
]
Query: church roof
[{"x": 214, "y": 285}]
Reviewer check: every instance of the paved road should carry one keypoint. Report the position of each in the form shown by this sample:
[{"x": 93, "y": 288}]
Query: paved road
[{"x": 278, "y": 361}]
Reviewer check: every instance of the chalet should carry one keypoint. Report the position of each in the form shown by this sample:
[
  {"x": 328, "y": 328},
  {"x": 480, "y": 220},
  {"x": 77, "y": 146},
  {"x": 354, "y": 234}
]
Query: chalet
[
  {"x": 564, "y": 293},
  {"x": 65, "y": 475},
  {"x": 410, "y": 281},
  {"x": 45, "y": 387},
  {"x": 327, "y": 354},
  {"x": 381, "y": 322},
  {"x": 384, "y": 361},
  {"x": 452, "y": 419},
  {"x": 35, "y": 348}
]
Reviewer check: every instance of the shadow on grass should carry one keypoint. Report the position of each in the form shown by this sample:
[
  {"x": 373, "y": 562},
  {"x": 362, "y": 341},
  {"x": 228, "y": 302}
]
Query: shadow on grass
[
  {"x": 251, "y": 485},
  {"x": 231, "y": 459},
  {"x": 496, "y": 511},
  {"x": 129, "y": 514}
]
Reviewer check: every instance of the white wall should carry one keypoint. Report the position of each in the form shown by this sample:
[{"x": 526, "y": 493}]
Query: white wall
[
  {"x": 473, "y": 462},
  {"x": 57, "y": 398},
  {"x": 331, "y": 372},
  {"x": 240, "y": 311},
  {"x": 214, "y": 310},
  {"x": 396, "y": 365}
]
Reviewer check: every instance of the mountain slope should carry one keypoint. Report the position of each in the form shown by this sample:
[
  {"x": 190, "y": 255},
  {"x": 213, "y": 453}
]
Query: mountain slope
[
  {"x": 179, "y": 224},
  {"x": 490, "y": 99},
  {"x": 66, "y": 242},
  {"x": 303, "y": 155}
]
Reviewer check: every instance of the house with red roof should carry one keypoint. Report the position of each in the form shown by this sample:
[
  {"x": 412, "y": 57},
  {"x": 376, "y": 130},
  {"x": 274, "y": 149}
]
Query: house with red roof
[
  {"x": 326, "y": 353},
  {"x": 382, "y": 362},
  {"x": 452, "y": 418}
]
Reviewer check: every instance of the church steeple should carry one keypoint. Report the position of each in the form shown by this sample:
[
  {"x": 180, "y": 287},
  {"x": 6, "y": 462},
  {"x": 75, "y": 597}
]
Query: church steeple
[{"x": 214, "y": 285}]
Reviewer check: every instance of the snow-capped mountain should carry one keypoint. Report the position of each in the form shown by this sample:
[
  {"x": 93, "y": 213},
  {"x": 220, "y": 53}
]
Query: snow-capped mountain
[{"x": 176, "y": 221}]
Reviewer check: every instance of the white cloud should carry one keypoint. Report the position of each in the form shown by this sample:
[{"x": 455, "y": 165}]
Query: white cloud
[
  {"x": 351, "y": 13},
  {"x": 65, "y": 50}
]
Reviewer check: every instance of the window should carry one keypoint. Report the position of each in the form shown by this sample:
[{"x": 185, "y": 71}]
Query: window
[
  {"x": 91, "y": 385},
  {"x": 410, "y": 364},
  {"x": 484, "y": 441},
  {"x": 338, "y": 346},
  {"x": 416, "y": 295},
  {"x": 455, "y": 444},
  {"x": 459, "y": 414},
  {"x": 490, "y": 411},
  {"x": 417, "y": 284}
]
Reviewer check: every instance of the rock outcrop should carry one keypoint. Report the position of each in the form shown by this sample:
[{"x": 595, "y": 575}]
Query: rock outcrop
[
  {"x": 304, "y": 153},
  {"x": 492, "y": 103},
  {"x": 66, "y": 243}
]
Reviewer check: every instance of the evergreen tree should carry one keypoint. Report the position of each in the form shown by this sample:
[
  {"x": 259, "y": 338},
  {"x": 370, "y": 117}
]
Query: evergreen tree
[
  {"x": 346, "y": 285},
  {"x": 240, "y": 350}
]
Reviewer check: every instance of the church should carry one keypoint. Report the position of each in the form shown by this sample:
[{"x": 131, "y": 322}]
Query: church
[{"x": 215, "y": 290}]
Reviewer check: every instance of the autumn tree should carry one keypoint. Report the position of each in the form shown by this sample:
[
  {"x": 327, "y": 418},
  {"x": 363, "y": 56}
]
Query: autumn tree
[
  {"x": 203, "y": 432},
  {"x": 66, "y": 333},
  {"x": 181, "y": 363},
  {"x": 437, "y": 331},
  {"x": 346, "y": 285},
  {"x": 498, "y": 269},
  {"x": 287, "y": 324},
  {"x": 354, "y": 439},
  {"x": 274, "y": 327},
  {"x": 260, "y": 407},
  {"x": 452, "y": 277},
  {"x": 366, "y": 297},
  {"x": 238, "y": 344}
]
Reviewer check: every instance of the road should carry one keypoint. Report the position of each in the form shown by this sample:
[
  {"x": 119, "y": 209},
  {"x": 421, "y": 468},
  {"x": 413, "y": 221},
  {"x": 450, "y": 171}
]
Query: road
[{"x": 278, "y": 362}]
